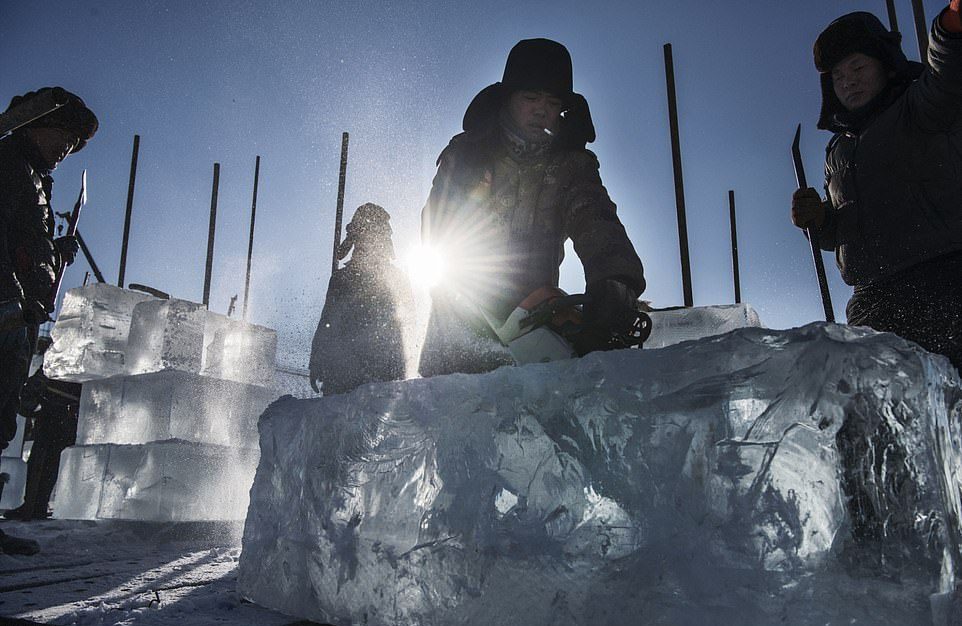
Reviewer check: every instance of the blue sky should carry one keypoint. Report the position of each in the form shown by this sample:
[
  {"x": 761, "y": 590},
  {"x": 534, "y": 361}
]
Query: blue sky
[{"x": 225, "y": 81}]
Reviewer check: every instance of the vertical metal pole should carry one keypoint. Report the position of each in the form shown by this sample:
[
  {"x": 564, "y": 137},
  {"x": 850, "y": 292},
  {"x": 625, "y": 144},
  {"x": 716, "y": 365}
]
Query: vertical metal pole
[
  {"x": 679, "y": 182},
  {"x": 921, "y": 30},
  {"x": 250, "y": 244},
  {"x": 130, "y": 208},
  {"x": 893, "y": 18},
  {"x": 340, "y": 200},
  {"x": 731, "y": 212},
  {"x": 210, "y": 234}
]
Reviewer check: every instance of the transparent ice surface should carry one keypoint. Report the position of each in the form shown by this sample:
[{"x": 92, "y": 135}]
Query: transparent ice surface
[
  {"x": 240, "y": 351},
  {"x": 166, "y": 334},
  {"x": 160, "y": 481},
  {"x": 171, "y": 405},
  {"x": 675, "y": 326},
  {"x": 808, "y": 476},
  {"x": 90, "y": 336}
]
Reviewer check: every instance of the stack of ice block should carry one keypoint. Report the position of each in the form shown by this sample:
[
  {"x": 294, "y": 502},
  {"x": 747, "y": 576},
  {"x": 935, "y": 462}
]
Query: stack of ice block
[
  {"x": 174, "y": 436},
  {"x": 90, "y": 336},
  {"x": 672, "y": 326}
]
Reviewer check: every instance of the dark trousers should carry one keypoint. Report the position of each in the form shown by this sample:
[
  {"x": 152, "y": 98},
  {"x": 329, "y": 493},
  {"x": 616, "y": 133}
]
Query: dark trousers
[
  {"x": 52, "y": 435},
  {"x": 16, "y": 348},
  {"x": 922, "y": 304}
]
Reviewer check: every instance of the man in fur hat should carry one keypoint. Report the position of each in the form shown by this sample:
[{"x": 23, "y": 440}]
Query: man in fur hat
[
  {"x": 509, "y": 191},
  {"x": 893, "y": 175},
  {"x": 30, "y": 255},
  {"x": 360, "y": 337}
]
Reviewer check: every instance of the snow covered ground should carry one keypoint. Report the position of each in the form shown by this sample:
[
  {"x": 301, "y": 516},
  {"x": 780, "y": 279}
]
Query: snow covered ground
[{"x": 107, "y": 573}]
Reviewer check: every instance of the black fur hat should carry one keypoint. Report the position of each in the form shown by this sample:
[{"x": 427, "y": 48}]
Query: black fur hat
[
  {"x": 73, "y": 116},
  {"x": 538, "y": 65}
]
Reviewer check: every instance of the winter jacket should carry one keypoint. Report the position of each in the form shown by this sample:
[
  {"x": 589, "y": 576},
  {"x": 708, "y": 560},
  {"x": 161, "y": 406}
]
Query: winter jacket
[
  {"x": 28, "y": 257},
  {"x": 360, "y": 337},
  {"x": 501, "y": 212},
  {"x": 894, "y": 179}
]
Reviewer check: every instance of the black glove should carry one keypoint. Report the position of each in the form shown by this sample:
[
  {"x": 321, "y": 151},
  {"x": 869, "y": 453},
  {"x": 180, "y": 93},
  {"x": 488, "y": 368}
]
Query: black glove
[
  {"x": 67, "y": 247},
  {"x": 34, "y": 313},
  {"x": 612, "y": 305}
]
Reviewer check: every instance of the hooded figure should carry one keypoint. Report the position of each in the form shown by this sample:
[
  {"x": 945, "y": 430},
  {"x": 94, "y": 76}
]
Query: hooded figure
[
  {"x": 359, "y": 338},
  {"x": 893, "y": 177},
  {"x": 509, "y": 191}
]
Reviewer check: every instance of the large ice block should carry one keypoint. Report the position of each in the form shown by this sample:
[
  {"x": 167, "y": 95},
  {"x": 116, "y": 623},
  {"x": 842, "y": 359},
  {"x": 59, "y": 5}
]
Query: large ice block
[
  {"x": 685, "y": 324},
  {"x": 241, "y": 351},
  {"x": 15, "y": 446},
  {"x": 171, "y": 405},
  {"x": 90, "y": 336},
  {"x": 166, "y": 334},
  {"x": 808, "y": 476},
  {"x": 165, "y": 481}
]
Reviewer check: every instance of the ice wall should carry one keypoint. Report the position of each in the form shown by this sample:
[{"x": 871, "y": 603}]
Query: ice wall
[
  {"x": 172, "y": 435},
  {"x": 808, "y": 476}
]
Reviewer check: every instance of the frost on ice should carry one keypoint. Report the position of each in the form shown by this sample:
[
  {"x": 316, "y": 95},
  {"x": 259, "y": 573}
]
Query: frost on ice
[{"x": 808, "y": 476}]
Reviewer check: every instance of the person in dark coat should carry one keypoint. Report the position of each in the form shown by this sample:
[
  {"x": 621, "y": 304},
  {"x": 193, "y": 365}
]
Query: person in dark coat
[
  {"x": 893, "y": 176},
  {"x": 30, "y": 255},
  {"x": 509, "y": 191},
  {"x": 360, "y": 337},
  {"x": 53, "y": 406}
]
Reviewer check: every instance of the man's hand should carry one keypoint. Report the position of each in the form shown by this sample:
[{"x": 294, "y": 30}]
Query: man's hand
[
  {"x": 808, "y": 210},
  {"x": 34, "y": 313},
  {"x": 612, "y": 305},
  {"x": 67, "y": 247},
  {"x": 315, "y": 378}
]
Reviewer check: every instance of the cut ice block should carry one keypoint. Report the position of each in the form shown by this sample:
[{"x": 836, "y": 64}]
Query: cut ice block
[
  {"x": 90, "y": 336},
  {"x": 80, "y": 482},
  {"x": 13, "y": 476},
  {"x": 164, "y": 481},
  {"x": 171, "y": 405},
  {"x": 756, "y": 477},
  {"x": 166, "y": 334},
  {"x": 293, "y": 382},
  {"x": 242, "y": 352},
  {"x": 674, "y": 326}
]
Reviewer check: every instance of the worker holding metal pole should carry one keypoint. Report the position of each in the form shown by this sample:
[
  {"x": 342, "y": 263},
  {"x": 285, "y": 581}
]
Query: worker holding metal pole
[{"x": 892, "y": 211}]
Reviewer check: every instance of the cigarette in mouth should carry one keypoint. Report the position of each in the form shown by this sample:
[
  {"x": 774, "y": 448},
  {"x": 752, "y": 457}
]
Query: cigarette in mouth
[{"x": 548, "y": 132}]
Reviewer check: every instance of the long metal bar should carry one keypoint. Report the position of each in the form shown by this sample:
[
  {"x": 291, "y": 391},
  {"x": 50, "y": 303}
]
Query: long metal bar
[
  {"x": 72, "y": 223},
  {"x": 90, "y": 259},
  {"x": 735, "y": 276},
  {"x": 812, "y": 234},
  {"x": 210, "y": 234},
  {"x": 130, "y": 207},
  {"x": 340, "y": 200},
  {"x": 893, "y": 18},
  {"x": 679, "y": 181},
  {"x": 921, "y": 30},
  {"x": 250, "y": 241}
]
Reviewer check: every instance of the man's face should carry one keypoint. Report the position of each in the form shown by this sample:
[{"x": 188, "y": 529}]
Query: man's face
[
  {"x": 54, "y": 144},
  {"x": 857, "y": 79},
  {"x": 535, "y": 111}
]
